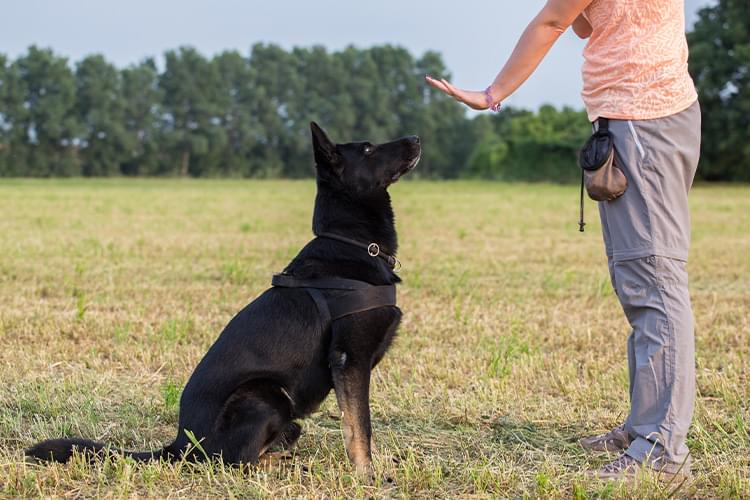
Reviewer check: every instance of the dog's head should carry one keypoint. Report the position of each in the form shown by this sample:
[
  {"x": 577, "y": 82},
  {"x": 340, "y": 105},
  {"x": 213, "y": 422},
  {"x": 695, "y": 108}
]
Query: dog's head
[{"x": 362, "y": 168}]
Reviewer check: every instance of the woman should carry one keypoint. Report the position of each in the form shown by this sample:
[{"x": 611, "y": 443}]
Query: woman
[{"x": 635, "y": 74}]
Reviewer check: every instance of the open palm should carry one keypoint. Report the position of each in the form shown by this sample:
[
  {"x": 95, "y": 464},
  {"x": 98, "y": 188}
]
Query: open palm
[{"x": 472, "y": 98}]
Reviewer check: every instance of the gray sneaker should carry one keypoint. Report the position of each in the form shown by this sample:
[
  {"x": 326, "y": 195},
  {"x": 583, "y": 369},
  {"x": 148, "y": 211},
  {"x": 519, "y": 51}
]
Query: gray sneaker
[
  {"x": 626, "y": 468},
  {"x": 615, "y": 440}
]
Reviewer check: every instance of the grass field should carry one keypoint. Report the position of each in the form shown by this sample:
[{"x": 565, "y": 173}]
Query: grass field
[{"x": 511, "y": 348}]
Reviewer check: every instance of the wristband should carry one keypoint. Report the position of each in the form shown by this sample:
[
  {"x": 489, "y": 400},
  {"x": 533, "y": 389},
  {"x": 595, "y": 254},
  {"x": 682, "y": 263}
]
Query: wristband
[{"x": 493, "y": 106}]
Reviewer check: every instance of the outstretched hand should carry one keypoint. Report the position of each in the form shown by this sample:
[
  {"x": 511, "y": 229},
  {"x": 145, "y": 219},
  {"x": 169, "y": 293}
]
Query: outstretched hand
[{"x": 472, "y": 98}]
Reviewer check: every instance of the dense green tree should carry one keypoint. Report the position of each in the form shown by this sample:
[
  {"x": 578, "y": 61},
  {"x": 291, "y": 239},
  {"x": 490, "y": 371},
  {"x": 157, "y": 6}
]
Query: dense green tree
[
  {"x": 277, "y": 88},
  {"x": 45, "y": 126},
  {"x": 142, "y": 99},
  {"x": 720, "y": 65},
  {"x": 539, "y": 146},
  {"x": 103, "y": 140},
  {"x": 235, "y": 107},
  {"x": 447, "y": 134},
  {"x": 490, "y": 147},
  {"x": 367, "y": 101},
  {"x": 191, "y": 112},
  {"x": 327, "y": 96},
  {"x": 322, "y": 94},
  {"x": 236, "y": 115},
  {"x": 397, "y": 87},
  {"x": 12, "y": 115},
  {"x": 6, "y": 127}
]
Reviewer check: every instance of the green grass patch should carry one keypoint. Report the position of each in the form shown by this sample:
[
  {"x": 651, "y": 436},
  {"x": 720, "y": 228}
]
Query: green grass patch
[{"x": 511, "y": 348}]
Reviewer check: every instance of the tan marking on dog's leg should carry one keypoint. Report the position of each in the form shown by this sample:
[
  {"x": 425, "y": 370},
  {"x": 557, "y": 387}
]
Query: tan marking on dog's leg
[{"x": 352, "y": 397}]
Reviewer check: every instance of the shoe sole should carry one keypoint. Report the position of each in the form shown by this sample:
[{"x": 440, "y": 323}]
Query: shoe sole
[{"x": 664, "y": 477}]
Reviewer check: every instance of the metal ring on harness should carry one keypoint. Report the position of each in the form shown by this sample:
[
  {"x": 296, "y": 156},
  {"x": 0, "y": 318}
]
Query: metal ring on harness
[
  {"x": 373, "y": 249},
  {"x": 397, "y": 265}
]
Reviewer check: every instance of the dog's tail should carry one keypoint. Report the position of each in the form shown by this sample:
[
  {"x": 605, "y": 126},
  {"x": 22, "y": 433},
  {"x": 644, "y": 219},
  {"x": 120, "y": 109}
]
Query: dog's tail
[{"x": 60, "y": 450}]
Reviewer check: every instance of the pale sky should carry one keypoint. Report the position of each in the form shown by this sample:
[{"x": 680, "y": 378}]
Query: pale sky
[{"x": 474, "y": 36}]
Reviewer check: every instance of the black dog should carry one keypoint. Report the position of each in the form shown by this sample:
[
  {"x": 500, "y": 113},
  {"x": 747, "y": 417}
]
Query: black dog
[{"x": 325, "y": 324}]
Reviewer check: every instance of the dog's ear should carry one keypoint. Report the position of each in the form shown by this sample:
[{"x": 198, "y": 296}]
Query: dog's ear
[{"x": 325, "y": 151}]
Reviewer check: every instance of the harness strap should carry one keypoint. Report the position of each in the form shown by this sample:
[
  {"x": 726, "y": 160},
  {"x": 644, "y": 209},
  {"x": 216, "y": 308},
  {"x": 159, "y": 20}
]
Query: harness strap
[
  {"x": 357, "y": 301},
  {"x": 286, "y": 281},
  {"x": 321, "y": 304},
  {"x": 359, "y": 297}
]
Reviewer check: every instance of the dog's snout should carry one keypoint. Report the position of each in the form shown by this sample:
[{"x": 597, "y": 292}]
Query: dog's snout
[{"x": 415, "y": 139}]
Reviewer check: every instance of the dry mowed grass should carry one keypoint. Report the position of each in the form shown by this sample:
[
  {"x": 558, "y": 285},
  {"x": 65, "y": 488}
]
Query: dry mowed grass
[{"x": 512, "y": 344}]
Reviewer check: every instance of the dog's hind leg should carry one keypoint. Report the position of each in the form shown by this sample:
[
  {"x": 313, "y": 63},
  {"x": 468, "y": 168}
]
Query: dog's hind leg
[
  {"x": 254, "y": 417},
  {"x": 288, "y": 437},
  {"x": 281, "y": 449}
]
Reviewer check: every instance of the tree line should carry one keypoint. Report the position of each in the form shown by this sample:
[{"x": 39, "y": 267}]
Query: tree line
[
  {"x": 241, "y": 115},
  {"x": 229, "y": 115}
]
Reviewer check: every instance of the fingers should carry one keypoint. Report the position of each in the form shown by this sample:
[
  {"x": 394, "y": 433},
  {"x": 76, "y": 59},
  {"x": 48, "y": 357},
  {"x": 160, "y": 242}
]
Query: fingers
[
  {"x": 453, "y": 90},
  {"x": 458, "y": 94},
  {"x": 474, "y": 100},
  {"x": 438, "y": 84},
  {"x": 441, "y": 85}
]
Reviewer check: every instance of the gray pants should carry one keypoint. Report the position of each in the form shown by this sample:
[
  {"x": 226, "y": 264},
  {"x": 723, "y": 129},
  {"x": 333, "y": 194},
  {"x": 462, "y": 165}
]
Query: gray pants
[{"x": 647, "y": 237}]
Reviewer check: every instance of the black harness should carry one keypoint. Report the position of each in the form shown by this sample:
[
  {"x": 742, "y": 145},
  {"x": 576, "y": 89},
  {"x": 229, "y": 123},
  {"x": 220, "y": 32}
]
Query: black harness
[{"x": 355, "y": 297}]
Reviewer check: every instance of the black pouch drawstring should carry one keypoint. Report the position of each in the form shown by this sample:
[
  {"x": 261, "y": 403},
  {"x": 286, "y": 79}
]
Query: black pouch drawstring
[{"x": 581, "y": 223}]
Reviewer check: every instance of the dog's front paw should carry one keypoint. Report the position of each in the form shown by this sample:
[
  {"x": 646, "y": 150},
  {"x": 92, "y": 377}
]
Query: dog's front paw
[{"x": 365, "y": 473}]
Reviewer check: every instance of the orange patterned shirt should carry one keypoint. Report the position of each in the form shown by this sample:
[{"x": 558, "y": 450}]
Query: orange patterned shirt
[{"x": 635, "y": 63}]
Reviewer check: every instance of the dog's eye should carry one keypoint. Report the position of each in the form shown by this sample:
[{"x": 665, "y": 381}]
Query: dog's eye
[{"x": 369, "y": 149}]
